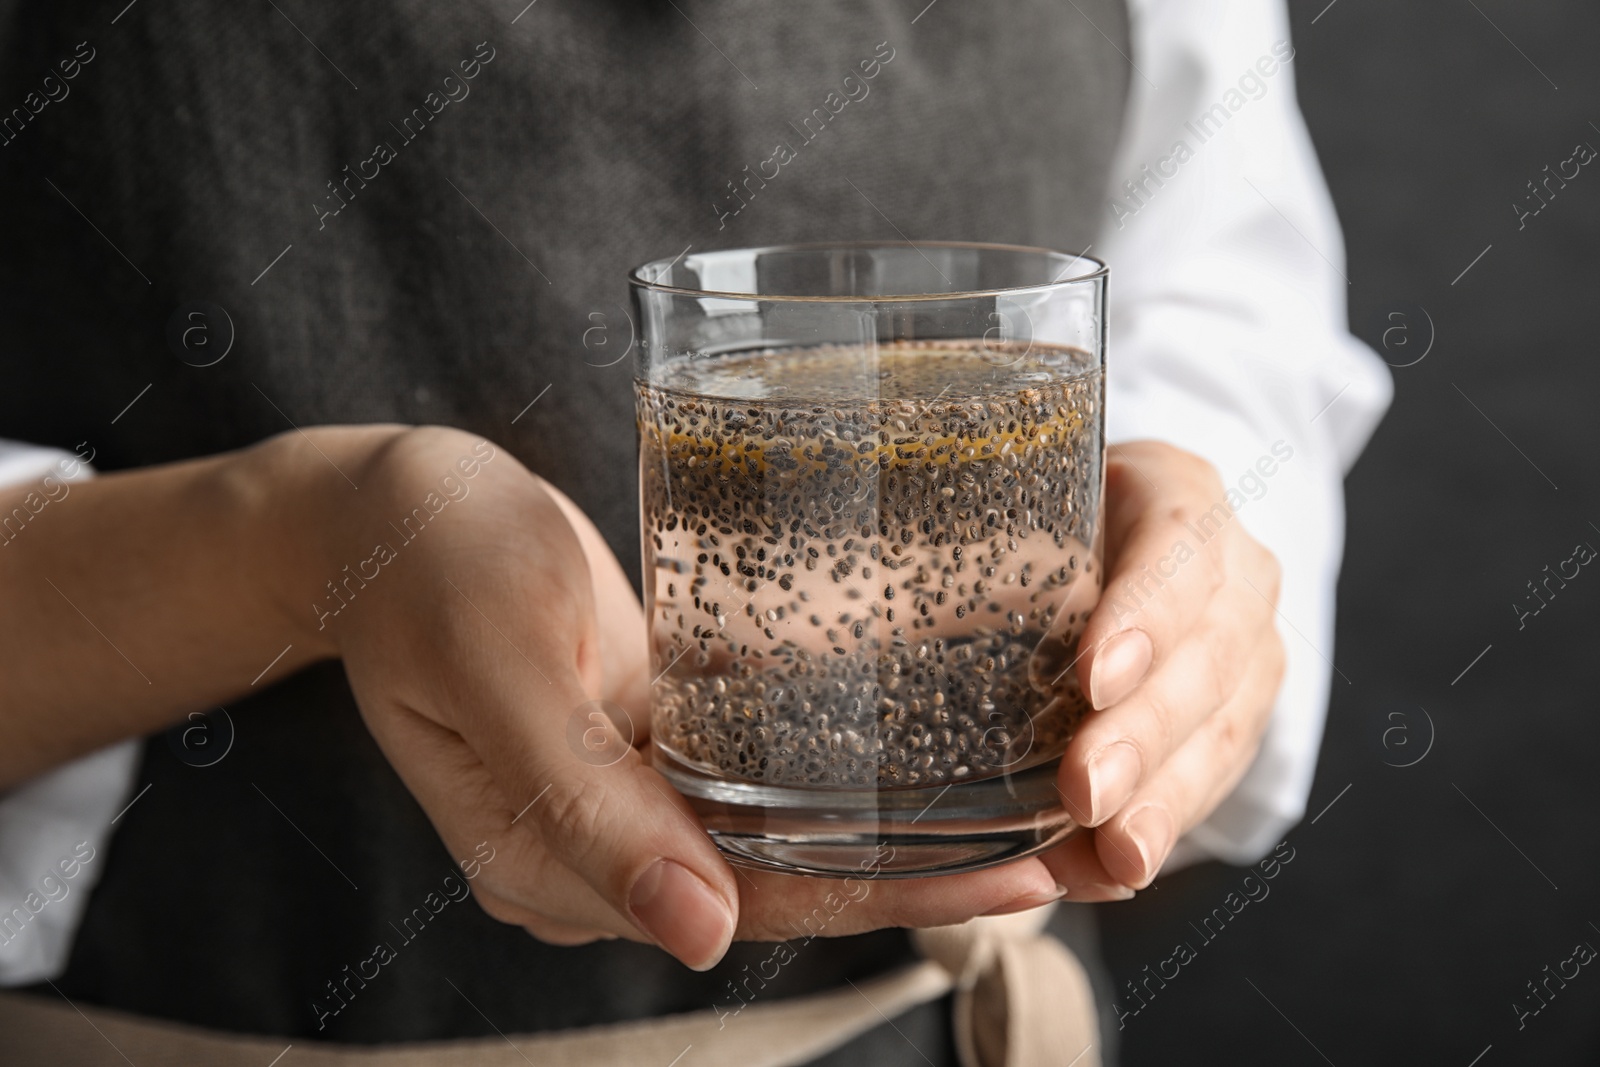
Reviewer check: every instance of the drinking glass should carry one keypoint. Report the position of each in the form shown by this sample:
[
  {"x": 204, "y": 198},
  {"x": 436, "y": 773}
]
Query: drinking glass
[{"x": 870, "y": 479}]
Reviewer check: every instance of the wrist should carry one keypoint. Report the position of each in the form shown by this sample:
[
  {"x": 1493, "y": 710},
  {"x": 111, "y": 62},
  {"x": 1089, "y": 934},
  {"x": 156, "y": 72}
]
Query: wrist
[{"x": 305, "y": 495}]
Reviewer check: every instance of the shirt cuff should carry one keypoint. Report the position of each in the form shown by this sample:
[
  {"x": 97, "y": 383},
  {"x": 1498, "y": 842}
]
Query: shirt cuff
[{"x": 54, "y": 829}]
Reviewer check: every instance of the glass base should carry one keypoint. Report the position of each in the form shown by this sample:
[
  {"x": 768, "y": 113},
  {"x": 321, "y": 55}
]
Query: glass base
[{"x": 890, "y": 833}]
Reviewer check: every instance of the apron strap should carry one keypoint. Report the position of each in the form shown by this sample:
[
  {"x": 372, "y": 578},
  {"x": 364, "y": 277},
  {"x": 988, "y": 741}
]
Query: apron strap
[{"x": 1022, "y": 1000}]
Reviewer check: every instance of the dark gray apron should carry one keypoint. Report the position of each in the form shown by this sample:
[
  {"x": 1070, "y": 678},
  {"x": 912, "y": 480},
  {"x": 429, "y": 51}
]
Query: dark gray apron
[{"x": 469, "y": 264}]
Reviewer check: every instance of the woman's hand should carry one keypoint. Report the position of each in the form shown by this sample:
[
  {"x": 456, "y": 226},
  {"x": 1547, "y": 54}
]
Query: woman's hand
[
  {"x": 1182, "y": 663},
  {"x": 477, "y": 650}
]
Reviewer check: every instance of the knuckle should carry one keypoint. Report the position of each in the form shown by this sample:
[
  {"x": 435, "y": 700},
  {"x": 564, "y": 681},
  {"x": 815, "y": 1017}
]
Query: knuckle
[
  {"x": 1199, "y": 527},
  {"x": 1198, "y": 474},
  {"x": 574, "y": 812},
  {"x": 1220, "y": 675},
  {"x": 427, "y": 437},
  {"x": 1228, "y": 735},
  {"x": 424, "y": 446},
  {"x": 1161, "y": 733},
  {"x": 1204, "y": 474}
]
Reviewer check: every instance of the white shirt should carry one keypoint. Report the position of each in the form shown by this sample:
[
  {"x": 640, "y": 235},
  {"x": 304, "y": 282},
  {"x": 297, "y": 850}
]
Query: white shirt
[{"x": 1228, "y": 336}]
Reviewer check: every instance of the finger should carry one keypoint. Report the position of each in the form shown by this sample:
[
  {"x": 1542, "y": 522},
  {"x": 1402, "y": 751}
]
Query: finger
[
  {"x": 1188, "y": 787},
  {"x": 1115, "y": 750},
  {"x": 1075, "y": 865},
  {"x": 779, "y": 907},
  {"x": 1164, "y": 564}
]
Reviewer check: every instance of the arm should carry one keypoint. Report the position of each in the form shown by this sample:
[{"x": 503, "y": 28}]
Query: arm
[{"x": 140, "y": 596}]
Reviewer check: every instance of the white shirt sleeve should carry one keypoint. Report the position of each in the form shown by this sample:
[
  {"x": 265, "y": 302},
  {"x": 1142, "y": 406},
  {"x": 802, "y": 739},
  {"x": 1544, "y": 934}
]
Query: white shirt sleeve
[
  {"x": 1228, "y": 336},
  {"x": 53, "y": 829}
]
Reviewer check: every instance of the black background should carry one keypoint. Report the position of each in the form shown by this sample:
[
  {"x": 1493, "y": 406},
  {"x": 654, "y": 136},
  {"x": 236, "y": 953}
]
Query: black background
[{"x": 1409, "y": 923}]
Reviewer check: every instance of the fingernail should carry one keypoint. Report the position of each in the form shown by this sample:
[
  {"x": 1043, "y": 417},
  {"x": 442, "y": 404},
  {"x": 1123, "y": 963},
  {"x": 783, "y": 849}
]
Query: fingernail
[
  {"x": 1029, "y": 902},
  {"x": 1098, "y": 892},
  {"x": 1152, "y": 832},
  {"x": 1114, "y": 774},
  {"x": 1119, "y": 665},
  {"x": 682, "y": 914}
]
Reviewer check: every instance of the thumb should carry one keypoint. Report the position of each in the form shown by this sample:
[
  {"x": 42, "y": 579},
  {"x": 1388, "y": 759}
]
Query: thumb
[
  {"x": 607, "y": 815},
  {"x": 573, "y": 778}
]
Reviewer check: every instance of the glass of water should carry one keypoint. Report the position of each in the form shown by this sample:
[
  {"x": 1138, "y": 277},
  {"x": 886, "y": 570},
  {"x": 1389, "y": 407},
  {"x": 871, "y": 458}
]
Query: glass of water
[{"x": 870, "y": 478}]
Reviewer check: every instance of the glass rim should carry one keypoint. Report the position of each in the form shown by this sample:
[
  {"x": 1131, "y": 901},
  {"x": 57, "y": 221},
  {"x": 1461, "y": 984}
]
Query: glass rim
[{"x": 1099, "y": 270}]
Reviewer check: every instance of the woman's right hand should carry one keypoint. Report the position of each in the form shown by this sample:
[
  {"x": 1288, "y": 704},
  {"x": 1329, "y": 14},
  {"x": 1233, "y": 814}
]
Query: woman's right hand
[{"x": 478, "y": 645}]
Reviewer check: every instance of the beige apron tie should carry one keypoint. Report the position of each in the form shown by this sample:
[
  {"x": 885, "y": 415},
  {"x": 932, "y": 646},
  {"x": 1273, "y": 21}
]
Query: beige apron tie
[{"x": 1022, "y": 1000}]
